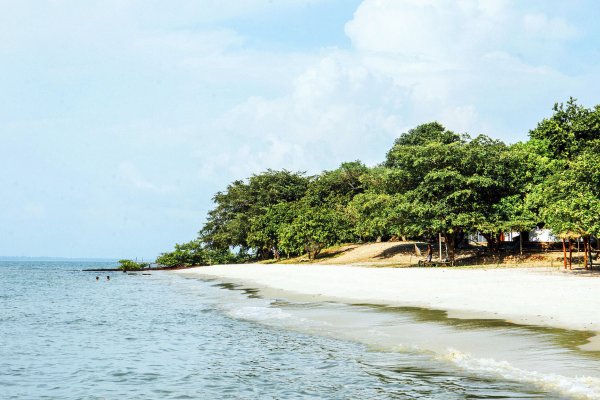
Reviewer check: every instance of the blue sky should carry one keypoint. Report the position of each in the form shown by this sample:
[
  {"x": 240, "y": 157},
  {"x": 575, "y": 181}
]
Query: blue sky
[{"x": 120, "y": 119}]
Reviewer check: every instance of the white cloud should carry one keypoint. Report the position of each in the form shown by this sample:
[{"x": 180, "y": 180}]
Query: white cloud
[
  {"x": 464, "y": 63},
  {"x": 163, "y": 97},
  {"x": 461, "y": 118},
  {"x": 546, "y": 27},
  {"x": 33, "y": 210},
  {"x": 131, "y": 177},
  {"x": 459, "y": 57},
  {"x": 430, "y": 31},
  {"x": 337, "y": 110}
]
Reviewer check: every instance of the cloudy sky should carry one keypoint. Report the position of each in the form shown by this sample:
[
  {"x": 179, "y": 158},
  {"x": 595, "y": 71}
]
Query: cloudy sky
[{"x": 120, "y": 119}]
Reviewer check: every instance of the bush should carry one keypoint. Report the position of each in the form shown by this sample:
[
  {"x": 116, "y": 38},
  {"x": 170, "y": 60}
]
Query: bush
[{"x": 130, "y": 265}]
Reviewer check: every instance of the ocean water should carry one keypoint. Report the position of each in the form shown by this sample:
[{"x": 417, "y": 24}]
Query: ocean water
[{"x": 66, "y": 335}]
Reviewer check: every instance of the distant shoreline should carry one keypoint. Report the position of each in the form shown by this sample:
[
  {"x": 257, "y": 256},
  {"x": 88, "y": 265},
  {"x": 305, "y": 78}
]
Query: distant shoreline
[{"x": 48, "y": 259}]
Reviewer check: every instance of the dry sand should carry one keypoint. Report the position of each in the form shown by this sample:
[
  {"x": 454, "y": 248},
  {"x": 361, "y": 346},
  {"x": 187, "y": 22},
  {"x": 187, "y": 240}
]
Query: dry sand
[
  {"x": 382, "y": 253},
  {"x": 527, "y": 296},
  {"x": 403, "y": 253}
]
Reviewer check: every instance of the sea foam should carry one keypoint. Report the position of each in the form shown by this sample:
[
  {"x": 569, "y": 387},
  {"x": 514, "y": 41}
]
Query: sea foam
[
  {"x": 258, "y": 313},
  {"x": 582, "y": 387}
]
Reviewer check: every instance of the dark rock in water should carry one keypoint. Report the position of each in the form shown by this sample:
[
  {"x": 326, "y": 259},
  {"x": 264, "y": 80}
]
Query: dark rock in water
[{"x": 101, "y": 270}]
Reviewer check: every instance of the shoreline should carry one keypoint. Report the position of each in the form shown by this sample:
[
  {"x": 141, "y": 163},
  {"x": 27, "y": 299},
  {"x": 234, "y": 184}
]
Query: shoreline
[{"x": 537, "y": 296}]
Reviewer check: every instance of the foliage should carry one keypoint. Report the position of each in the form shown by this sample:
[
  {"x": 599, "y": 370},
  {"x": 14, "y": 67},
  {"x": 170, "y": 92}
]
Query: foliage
[
  {"x": 264, "y": 233},
  {"x": 432, "y": 181},
  {"x": 229, "y": 223},
  {"x": 337, "y": 187},
  {"x": 453, "y": 184},
  {"x": 568, "y": 132},
  {"x": 375, "y": 215},
  {"x": 130, "y": 265},
  {"x": 432, "y": 132},
  {"x": 311, "y": 230},
  {"x": 569, "y": 199},
  {"x": 186, "y": 254}
]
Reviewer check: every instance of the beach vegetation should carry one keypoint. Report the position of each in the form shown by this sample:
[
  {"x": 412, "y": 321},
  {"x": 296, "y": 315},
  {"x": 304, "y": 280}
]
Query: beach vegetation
[
  {"x": 243, "y": 203},
  {"x": 185, "y": 254},
  {"x": 195, "y": 253},
  {"x": 130, "y": 265},
  {"x": 312, "y": 229},
  {"x": 432, "y": 182}
]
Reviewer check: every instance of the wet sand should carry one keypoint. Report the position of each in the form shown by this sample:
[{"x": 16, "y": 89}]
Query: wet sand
[{"x": 539, "y": 296}]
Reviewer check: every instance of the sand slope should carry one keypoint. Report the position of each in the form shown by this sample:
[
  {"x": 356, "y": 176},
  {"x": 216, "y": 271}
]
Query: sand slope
[
  {"x": 404, "y": 254},
  {"x": 377, "y": 254}
]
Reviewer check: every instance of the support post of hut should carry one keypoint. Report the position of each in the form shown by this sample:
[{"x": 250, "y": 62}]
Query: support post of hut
[{"x": 564, "y": 252}]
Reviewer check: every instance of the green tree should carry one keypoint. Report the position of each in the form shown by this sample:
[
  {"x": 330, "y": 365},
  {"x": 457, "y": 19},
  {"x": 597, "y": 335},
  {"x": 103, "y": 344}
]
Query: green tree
[
  {"x": 185, "y": 254},
  {"x": 375, "y": 215},
  {"x": 453, "y": 184},
  {"x": 130, "y": 265},
  {"x": 568, "y": 132},
  {"x": 337, "y": 187},
  {"x": 312, "y": 229},
  {"x": 229, "y": 223},
  {"x": 432, "y": 132},
  {"x": 432, "y": 181},
  {"x": 569, "y": 199},
  {"x": 264, "y": 232}
]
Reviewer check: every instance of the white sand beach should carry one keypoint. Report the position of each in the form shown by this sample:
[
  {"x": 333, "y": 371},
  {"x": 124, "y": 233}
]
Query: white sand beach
[{"x": 538, "y": 296}]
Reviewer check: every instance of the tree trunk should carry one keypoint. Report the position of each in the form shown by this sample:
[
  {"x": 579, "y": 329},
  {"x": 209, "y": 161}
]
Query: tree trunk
[
  {"x": 590, "y": 247},
  {"x": 585, "y": 252},
  {"x": 313, "y": 249},
  {"x": 570, "y": 253},
  {"x": 564, "y": 252},
  {"x": 591, "y": 259},
  {"x": 450, "y": 239},
  {"x": 521, "y": 243},
  {"x": 264, "y": 254},
  {"x": 489, "y": 239},
  {"x": 493, "y": 240},
  {"x": 460, "y": 239}
]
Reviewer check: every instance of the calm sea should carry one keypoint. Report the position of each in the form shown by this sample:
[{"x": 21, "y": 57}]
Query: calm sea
[{"x": 66, "y": 335}]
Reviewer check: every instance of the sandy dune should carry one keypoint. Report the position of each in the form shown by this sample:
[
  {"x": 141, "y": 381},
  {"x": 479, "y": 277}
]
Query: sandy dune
[
  {"x": 404, "y": 254},
  {"x": 377, "y": 253}
]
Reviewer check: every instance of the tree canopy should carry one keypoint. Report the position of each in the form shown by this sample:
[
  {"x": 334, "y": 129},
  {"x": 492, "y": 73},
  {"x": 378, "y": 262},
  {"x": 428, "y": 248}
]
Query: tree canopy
[{"x": 432, "y": 181}]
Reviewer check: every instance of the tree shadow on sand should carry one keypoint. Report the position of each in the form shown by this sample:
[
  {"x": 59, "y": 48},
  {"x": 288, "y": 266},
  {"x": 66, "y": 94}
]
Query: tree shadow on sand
[{"x": 400, "y": 249}]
